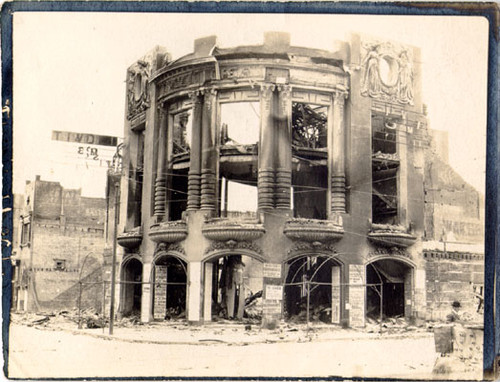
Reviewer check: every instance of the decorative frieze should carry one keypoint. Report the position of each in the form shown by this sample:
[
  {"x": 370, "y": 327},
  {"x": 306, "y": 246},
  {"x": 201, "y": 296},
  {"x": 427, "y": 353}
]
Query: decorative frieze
[{"x": 185, "y": 77}]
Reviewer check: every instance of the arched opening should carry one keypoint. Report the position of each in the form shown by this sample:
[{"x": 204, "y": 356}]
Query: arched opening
[
  {"x": 312, "y": 289},
  {"x": 131, "y": 282},
  {"x": 389, "y": 289},
  {"x": 233, "y": 288},
  {"x": 169, "y": 277}
]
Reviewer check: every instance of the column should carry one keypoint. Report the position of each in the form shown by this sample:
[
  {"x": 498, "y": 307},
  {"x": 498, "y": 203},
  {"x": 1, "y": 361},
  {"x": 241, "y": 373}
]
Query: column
[
  {"x": 284, "y": 149},
  {"x": 208, "y": 151},
  {"x": 160, "y": 185},
  {"x": 207, "y": 292},
  {"x": 337, "y": 154},
  {"x": 265, "y": 181},
  {"x": 193, "y": 202},
  {"x": 194, "y": 291}
]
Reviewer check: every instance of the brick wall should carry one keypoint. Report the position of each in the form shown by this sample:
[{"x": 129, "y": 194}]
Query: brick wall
[
  {"x": 70, "y": 243},
  {"x": 53, "y": 291},
  {"x": 451, "y": 277}
]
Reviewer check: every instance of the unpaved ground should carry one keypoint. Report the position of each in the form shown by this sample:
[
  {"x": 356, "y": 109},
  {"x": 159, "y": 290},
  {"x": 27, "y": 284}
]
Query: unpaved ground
[{"x": 57, "y": 349}]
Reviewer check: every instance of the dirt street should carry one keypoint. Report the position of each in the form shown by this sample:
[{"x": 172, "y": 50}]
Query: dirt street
[{"x": 37, "y": 352}]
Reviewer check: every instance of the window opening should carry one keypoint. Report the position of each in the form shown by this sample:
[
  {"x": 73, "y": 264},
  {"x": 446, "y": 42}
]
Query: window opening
[
  {"x": 59, "y": 265},
  {"x": 238, "y": 165},
  {"x": 182, "y": 131},
  {"x": 309, "y": 126},
  {"x": 385, "y": 164},
  {"x": 310, "y": 190},
  {"x": 240, "y": 123},
  {"x": 177, "y": 193},
  {"x": 239, "y": 200},
  {"x": 25, "y": 233}
]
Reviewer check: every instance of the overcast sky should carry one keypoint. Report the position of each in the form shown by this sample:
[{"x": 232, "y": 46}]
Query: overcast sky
[{"x": 69, "y": 72}]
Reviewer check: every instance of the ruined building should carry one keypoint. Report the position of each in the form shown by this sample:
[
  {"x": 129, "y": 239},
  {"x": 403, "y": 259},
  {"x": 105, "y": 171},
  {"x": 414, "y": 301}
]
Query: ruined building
[
  {"x": 60, "y": 242},
  {"x": 287, "y": 183}
]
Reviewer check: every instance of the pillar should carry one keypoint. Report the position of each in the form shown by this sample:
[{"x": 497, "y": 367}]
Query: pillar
[
  {"x": 265, "y": 179},
  {"x": 207, "y": 292},
  {"x": 336, "y": 153},
  {"x": 194, "y": 292},
  {"x": 208, "y": 151},
  {"x": 193, "y": 202},
  {"x": 283, "y": 149},
  {"x": 146, "y": 293},
  {"x": 160, "y": 181}
]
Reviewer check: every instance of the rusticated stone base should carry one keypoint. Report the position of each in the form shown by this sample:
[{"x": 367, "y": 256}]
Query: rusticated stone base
[
  {"x": 338, "y": 194},
  {"x": 207, "y": 190},
  {"x": 193, "y": 199},
  {"x": 283, "y": 184},
  {"x": 265, "y": 185},
  {"x": 160, "y": 196}
]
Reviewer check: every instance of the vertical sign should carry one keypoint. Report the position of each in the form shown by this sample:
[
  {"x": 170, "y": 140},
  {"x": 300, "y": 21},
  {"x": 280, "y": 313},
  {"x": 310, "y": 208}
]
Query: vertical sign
[
  {"x": 335, "y": 295},
  {"x": 356, "y": 295},
  {"x": 160, "y": 299}
]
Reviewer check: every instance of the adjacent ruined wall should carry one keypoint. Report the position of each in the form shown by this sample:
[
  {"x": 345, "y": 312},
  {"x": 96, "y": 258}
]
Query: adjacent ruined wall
[
  {"x": 454, "y": 209},
  {"x": 67, "y": 231},
  {"x": 452, "y": 277}
]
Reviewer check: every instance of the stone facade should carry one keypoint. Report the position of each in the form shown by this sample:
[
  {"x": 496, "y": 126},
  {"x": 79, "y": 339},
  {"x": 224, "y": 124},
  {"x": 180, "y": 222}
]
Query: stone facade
[
  {"x": 61, "y": 240},
  {"x": 329, "y": 152}
]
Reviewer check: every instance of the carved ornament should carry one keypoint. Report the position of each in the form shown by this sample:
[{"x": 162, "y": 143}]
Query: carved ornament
[
  {"x": 387, "y": 72},
  {"x": 165, "y": 247},
  {"x": 306, "y": 246},
  {"x": 233, "y": 245},
  {"x": 390, "y": 251},
  {"x": 137, "y": 88}
]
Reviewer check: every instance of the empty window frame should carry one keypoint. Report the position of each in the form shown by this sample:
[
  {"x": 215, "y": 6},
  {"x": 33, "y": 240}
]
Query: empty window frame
[
  {"x": 384, "y": 130},
  {"x": 240, "y": 123},
  {"x": 309, "y": 125},
  {"x": 183, "y": 123},
  {"x": 238, "y": 200}
]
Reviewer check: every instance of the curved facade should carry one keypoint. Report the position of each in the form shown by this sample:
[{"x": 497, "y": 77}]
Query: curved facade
[{"x": 275, "y": 168}]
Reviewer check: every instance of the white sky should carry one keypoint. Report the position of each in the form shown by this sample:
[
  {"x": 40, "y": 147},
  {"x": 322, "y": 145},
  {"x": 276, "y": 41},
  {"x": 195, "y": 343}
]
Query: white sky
[{"x": 69, "y": 72}]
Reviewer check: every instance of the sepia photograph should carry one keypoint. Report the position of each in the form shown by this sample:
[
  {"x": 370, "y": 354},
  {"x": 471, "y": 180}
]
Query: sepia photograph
[{"x": 247, "y": 195}]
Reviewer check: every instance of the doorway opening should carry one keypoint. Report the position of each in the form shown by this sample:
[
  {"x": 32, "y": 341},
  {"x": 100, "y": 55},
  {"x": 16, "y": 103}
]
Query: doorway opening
[
  {"x": 169, "y": 288},
  {"x": 389, "y": 289},
  {"x": 233, "y": 288},
  {"x": 131, "y": 281},
  {"x": 313, "y": 289}
]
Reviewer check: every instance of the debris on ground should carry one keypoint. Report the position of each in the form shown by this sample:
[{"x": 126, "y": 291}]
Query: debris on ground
[{"x": 253, "y": 306}]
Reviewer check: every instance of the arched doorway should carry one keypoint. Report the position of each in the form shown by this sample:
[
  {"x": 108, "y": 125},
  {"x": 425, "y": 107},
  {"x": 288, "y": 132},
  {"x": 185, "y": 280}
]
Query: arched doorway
[
  {"x": 233, "y": 288},
  {"x": 313, "y": 289},
  {"x": 169, "y": 281},
  {"x": 131, "y": 286},
  {"x": 389, "y": 289}
]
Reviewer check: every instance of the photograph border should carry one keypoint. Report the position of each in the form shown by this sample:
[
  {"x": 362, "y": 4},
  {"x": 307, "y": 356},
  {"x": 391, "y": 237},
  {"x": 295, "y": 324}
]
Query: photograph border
[{"x": 490, "y": 11}]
